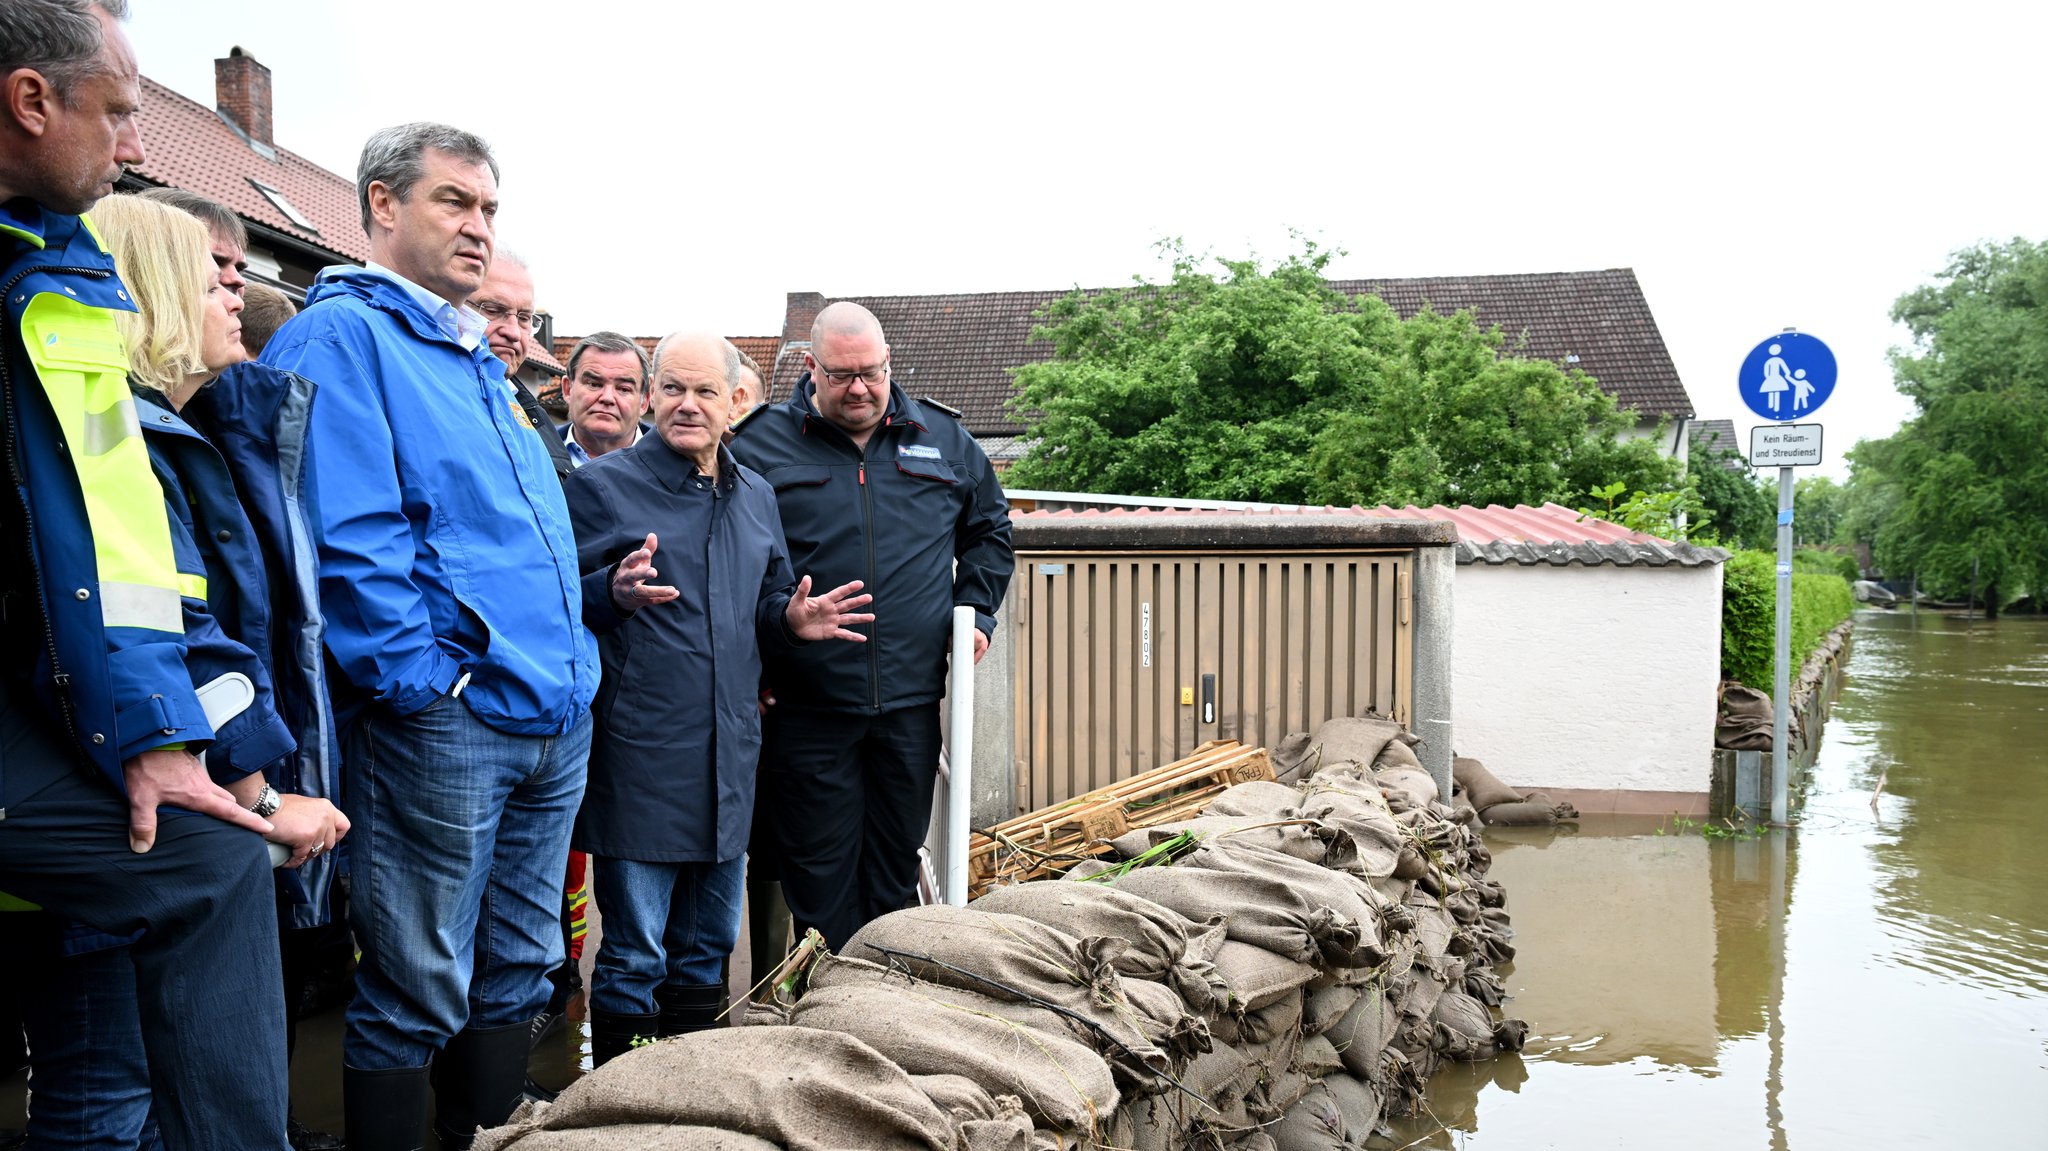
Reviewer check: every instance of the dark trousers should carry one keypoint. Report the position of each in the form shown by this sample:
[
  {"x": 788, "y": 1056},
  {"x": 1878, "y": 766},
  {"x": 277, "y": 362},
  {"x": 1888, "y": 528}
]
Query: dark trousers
[
  {"x": 206, "y": 967},
  {"x": 852, "y": 800}
]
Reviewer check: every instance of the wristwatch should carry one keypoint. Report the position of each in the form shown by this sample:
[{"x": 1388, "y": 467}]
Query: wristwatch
[{"x": 267, "y": 802}]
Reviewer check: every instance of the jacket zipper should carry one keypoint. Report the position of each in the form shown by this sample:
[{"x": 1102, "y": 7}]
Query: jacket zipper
[
  {"x": 867, "y": 501},
  {"x": 57, "y": 673}
]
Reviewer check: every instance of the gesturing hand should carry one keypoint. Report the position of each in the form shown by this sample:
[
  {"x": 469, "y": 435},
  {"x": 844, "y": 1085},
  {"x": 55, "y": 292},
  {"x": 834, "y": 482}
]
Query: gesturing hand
[
  {"x": 827, "y": 616},
  {"x": 177, "y": 779},
  {"x": 630, "y": 589}
]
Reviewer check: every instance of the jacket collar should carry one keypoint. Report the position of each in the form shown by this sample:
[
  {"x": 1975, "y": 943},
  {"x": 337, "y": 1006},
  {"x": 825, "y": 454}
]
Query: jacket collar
[
  {"x": 678, "y": 472},
  {"x": 391, "y": 293}
]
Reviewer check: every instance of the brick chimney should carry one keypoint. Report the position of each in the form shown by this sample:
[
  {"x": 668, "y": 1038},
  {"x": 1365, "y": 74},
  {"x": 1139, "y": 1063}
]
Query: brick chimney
[
  {"x": 800, "y": 311},
  {"x": 241, "y": 90}
]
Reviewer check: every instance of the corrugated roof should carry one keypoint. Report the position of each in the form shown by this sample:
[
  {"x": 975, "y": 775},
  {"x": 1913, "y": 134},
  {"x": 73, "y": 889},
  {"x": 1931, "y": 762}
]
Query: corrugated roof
[
  {"x": 189, "y": 146},
  {"x": 1552, "y": 534},
  {"x": 960, "y": 349}
]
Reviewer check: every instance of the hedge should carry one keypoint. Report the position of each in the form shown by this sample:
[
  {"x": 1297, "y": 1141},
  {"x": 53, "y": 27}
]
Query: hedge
[
  {"x": 1826, "y": 563},
  {"x": 1749, "y": 608}
]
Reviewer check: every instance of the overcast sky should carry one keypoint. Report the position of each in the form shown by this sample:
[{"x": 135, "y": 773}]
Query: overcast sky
[{"x": 680, "y": 166}]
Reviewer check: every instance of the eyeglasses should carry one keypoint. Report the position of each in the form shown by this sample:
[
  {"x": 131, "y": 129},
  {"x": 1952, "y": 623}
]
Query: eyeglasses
[
  {"x": 872, "y": 376},
  {"x": 494, "y": 311}
]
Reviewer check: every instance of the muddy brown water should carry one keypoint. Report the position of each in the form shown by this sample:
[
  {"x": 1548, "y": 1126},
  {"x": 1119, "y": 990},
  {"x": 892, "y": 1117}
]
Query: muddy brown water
[{"x": 1878, "y": 979}]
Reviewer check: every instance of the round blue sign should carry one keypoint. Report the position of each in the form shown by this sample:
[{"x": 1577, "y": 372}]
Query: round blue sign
[{"x": 1788, "y": 377}]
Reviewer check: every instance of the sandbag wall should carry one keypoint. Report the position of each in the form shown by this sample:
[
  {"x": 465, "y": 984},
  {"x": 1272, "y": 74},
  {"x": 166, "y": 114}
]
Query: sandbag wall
[{"x": 1283, "y": 971}]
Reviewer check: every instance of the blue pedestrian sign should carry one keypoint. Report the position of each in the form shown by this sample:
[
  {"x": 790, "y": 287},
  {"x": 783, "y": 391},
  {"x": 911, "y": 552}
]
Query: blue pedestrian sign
[{"x": 1788, "y": 377}]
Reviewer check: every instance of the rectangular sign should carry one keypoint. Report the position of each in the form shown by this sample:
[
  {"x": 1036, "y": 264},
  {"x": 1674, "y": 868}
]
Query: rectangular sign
[{"x": 1784, "y": 445}]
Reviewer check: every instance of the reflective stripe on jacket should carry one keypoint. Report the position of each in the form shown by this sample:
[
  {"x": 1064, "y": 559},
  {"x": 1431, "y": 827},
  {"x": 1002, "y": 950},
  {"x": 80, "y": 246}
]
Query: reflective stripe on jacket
[{"x": 110, "y": 661}]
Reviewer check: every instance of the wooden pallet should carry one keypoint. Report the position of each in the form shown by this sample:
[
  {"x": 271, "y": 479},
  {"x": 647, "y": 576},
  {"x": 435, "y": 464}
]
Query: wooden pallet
[{"x": 1049, "y": 841}]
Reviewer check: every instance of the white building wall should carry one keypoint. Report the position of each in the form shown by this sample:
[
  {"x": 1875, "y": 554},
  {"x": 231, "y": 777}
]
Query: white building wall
[{"x": 1588, "y": 678}]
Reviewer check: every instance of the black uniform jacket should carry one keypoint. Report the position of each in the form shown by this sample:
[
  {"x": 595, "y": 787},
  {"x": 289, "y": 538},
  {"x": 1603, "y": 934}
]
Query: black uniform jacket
[
  {"x": 678, "y": 729},
  {"x": 918, "y": 516}
]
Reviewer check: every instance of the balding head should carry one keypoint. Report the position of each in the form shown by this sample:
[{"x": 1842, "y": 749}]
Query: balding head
[
  {"x": 845, "y": 320},
  {"x": 694, "y": 376}
]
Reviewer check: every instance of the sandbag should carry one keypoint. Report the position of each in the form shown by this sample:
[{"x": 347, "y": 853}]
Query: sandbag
[
  {"x": 804, "y": 1090},
  {"x": 1258, "y": 977},
  {"x": 1259, "y": 798},
  {"x": 1124, "y": 1041},
  {"x": 1745, "y": 718},
  {"x": 1157, "y": 936},
  {"x": 1060, "y": 1082},
  {"x": 1317, "y": 1057},
  {"x": 1406, "y": 787},
  {"x": 1271, "y": 1021},
  {"x": 1364, "y": 1032},
  {"x": 1358, "y": 1103},
  {"x": 1359, "y": 740},
  {"x": 1342, "y": 906},
  {"x": 632, "y": 1137},
  {"x": 1398, "y": 756},
  {"x": 1481, "y": 786},
  {"x": 1315, "y": 1123},
  {"x": 1326, "y": 1005},
  {"x": 1301, "y": 838},
  {"x": 1294, "y": 757},
  {"x": 1529, "y": 813},
  {"x": 1258, "y": 911}
]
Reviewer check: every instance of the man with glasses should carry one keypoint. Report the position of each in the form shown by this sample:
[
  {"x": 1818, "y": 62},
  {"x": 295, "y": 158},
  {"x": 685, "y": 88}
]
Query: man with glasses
[
  {"x": 505, "y": 301},
  {"x": 877, "y": 487}
]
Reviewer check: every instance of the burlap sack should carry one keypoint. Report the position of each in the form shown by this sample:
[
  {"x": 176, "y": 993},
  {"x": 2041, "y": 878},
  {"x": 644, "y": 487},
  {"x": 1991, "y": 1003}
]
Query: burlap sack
[
  {"x": 630, "y": 1137},
  {"x": 982, "y": 1122},
  {"x": 1311, "y": 888},
  {"x": 1294, "y": 757},
  {"x": 1278, "y": 1085},
  {"x": 1122, "y": 1038},
  {"x": 804, "y": 1090},
  {"x": 1258, "y": 977},
  {"x": 1360, "y": 741},
  {"x": 1534, "y": 812},
  {"x": 1317, "y": 1057},
  {"x": 1256, "y": 1141},
  {"x": 1406, "y": 786},
  {"x": 1358, "y": 1103},
  {"x": 1364, "y": 1033},
  {"x": 1745, "y": 718},
  {"x": 1356, "y": 808},
  {"x": 1326, "y": 1005},
  {"x": 1271, "y": 1021},
  {"x": 1481, "y": 786},
  {"x": 1157, "y": 936},
  {"x": 1315, "y": 1123},
  {"x": 1258, "y": 910},
  {"x": 1060, "y": 1082},
  {"x": 1301, "y": 838},
  {"x": 1257, "y": 798}
]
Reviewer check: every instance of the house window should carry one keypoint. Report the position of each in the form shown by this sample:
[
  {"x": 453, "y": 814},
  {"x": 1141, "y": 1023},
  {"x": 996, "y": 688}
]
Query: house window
[{"x": 277, "y": 200}]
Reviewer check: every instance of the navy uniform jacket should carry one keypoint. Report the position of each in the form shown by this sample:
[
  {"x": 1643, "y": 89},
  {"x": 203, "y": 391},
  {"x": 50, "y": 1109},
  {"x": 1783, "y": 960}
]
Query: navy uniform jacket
[
  {"x": 678, "y": 727},
  {"x": 919, "y": 517}
]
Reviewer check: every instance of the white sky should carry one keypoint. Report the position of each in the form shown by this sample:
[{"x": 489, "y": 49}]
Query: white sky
[{"x": 679, "y": 166}]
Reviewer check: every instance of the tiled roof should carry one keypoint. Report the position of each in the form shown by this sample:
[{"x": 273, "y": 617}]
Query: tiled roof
[
  {"x": 189, "y": 146},
  {"x": 1494, "y": 535},
  {"x": 1715, "y": 436},
  {"x": 762, "y": 348},
  {"x": 547, "y": 363},
  {"x": 959, "y": 349}
]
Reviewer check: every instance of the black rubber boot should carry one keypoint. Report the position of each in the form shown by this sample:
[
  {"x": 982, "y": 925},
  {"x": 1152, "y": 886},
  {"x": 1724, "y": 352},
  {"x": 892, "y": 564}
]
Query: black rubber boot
[
  {"x": 477, "y": 1081},
  {"x": 612, "y": 1035},
  {"x": 690, "y": 1007},
  {"x": 384, "y": 1110}
]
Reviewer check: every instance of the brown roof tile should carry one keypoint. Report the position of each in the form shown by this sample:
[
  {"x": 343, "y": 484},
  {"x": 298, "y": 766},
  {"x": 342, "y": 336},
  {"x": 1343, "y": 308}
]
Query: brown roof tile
[
  {"x": 762, "y": 348},
  {"x": 963, "y": 346},
  {"x": 189, "y": 146}
]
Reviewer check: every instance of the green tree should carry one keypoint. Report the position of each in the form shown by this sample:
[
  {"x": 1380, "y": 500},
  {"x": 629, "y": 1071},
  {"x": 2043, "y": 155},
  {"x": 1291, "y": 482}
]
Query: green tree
[
  {"x": 1817, "y": 507},
  {"x": 1742, "y": 513},
  {"x": 1264, "y": 384},
  {"x": 1960, "y": 492}
]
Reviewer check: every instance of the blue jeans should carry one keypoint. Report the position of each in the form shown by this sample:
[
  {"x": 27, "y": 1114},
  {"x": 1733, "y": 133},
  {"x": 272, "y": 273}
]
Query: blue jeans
[
  {"x": 89, "y": 1082},
  {"x": 459, "y": 840},
  {"x": 663, "y": 922}
]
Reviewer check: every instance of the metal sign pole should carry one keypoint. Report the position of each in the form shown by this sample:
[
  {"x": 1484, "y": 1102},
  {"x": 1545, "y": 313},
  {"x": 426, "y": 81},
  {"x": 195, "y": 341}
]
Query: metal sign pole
[{"x": 1781, "y": 670}]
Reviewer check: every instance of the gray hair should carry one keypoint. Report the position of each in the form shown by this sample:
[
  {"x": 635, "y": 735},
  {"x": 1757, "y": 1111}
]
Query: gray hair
[
  {"x": 731, "y": 359},
  {"x": 218, "y": 218},
  {"x": 615, "y": 344},
  {"x": 392, "y": 158},
  {"x": 59, "y": 38}
]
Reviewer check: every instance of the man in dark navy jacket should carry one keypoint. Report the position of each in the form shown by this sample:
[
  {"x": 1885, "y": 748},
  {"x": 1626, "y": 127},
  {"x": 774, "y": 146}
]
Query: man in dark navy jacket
[
  {"x": 671, "y": 794},
  {"x": 877, "y": 487}
]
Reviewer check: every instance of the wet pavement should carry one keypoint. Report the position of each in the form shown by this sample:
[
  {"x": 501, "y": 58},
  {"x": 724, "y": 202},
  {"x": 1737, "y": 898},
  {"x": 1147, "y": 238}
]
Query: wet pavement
[{"x": 1877, "y": 979}]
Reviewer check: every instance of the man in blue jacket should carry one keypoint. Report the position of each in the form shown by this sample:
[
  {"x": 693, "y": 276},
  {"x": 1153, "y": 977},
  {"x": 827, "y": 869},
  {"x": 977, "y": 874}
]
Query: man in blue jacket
[
  {"x": 877, "y": 487},
  {"x": 449, "y": 581},
  {"x": 99, "y": 721}
]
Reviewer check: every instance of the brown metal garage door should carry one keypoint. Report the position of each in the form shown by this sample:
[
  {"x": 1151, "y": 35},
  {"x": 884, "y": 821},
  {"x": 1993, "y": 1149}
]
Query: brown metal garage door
[{"x": 1129, "y": 661}]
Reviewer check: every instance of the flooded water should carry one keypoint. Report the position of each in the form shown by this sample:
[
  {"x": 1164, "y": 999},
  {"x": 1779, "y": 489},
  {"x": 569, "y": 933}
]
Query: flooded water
[{"x": 1878, "y": 978}]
